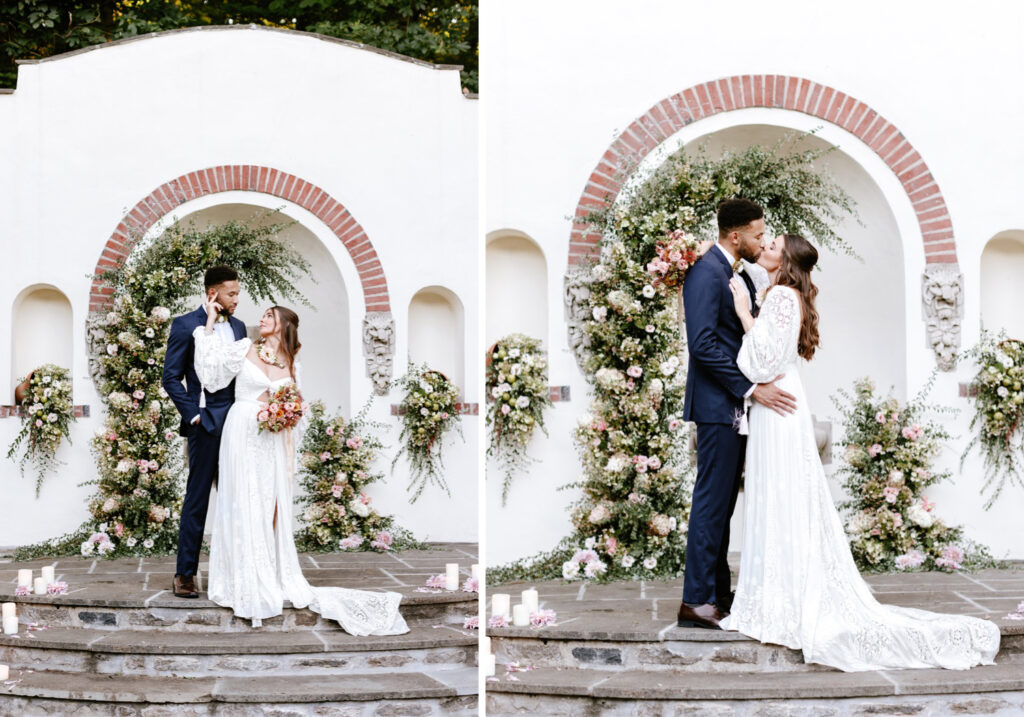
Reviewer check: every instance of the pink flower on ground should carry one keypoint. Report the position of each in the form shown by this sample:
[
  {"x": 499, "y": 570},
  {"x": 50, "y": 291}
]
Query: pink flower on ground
[
  {"x": 911, "y": 559},
  {"x": 22, "y": 590},
  {"x": 498, "y": 621},
  {"x": 875, "y": 449},
  {"x": 542, "y": 618},
  {"x": 58, "y": 588},
  {"x": 471, "y": 623},
  {"x": 471, "y": 585},
  {"x": 436, "y": 581},
  {"x": 384, "y": 537},
  {"x": 952, "y": 558}
]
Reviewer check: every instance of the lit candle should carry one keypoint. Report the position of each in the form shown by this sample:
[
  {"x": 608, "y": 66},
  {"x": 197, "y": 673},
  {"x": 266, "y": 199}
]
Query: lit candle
[
  {"x": 11, "y": 625},
  {"x": 24, "y": 578},
  {"x": 40, "y": 587},
  {"x": 451, "y": 576},
  {"x": 47, "y": 573},
  {"x": 489, "y": 664},
  {"x": 5, "y": 673},
  {"x": 474, "y": 570},
  {"x": 500, "y": 603},
  {"x": 531, "y": 599},
  {"x": 9, "y": 609},
  {"x": 520, "y": 615}
]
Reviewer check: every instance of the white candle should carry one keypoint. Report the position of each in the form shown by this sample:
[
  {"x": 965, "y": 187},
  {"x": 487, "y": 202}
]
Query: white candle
[
  {"x": 474, "y": 570},
  {"x": 531, "y": 599},
  {"x": 489, "y": 664},
  {"x": 9, "y": 609},
  {"x": 40, "y": 587},
  {"x": 520, "y": 615},
  {"x": 5, "y": 673},
  {"x": 24, "y": 578},
  {"x": 11, "y": 625},
  {"x": 485, "y": 646},
  {"x": 451, "y": 576},
  {"x": 47, "y": 573},
  {"x": 500, "y": 603}
]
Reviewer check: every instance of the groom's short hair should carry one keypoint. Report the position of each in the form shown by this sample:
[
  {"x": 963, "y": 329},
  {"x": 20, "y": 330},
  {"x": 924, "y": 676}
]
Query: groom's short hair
[
  {"x": 217, "y": 275},
  {"x": 735, "y": 214}
]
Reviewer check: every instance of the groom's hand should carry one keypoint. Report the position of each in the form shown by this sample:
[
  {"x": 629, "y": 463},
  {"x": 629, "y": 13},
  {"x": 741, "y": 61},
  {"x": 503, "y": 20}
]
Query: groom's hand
[{"x": 770, "y": 395}]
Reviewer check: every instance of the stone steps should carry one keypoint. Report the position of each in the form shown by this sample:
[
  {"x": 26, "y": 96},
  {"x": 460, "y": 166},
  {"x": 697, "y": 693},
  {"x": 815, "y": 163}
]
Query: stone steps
[
  {"x": 48, "y": 693},
  {"x": 148, "y": 652},
  {"x": 165, "y": 613},
  {"x": 567, "y": 691}
]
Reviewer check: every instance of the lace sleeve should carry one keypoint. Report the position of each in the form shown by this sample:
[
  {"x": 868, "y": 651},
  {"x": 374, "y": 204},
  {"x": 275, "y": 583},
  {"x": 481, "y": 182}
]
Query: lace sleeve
[
  {"x": 772, "y": 338},
  {"x": 217, "y": 363}
]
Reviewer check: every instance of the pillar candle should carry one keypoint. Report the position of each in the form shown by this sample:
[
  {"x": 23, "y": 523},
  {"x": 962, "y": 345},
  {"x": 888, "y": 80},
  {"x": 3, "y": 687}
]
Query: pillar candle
[
  {"x": 488, "y": 664},
  {"x": 40, "y": 588},
  {"x": 5, "y": 673},
  {"x": 47, "y": 573},
  {"x": 500, "y": 603},
  {"x": 451, "y": 576},
  {"x": 24, "y": 578},
  {"x": 520, "y": 615},
  {"x": 9, "y": 609},
  {"x": 531, "y": 599},
  {"x": 11, "y": 625},
  {"x": 474, "y": 570}
]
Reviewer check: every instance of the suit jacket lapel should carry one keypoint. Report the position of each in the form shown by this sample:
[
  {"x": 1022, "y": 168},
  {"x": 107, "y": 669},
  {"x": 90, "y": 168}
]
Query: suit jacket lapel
[{"x": 239, "y": 327}]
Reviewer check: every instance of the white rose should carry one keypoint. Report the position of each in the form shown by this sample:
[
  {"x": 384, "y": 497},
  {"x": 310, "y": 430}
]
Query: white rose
[
  {"x": 594, "y": 568},
  {"x": 359, "y": 508},
  {"x": 424, "y": 412},
  {"x": 47, "y": 379},
  {"x": 648, "y": 291},
  {"x": 589, "y": 543},
  {"x": 667, "y": 368},
  {"x": 600, "y": 313},
  {"x": 570, "y": 569},
  {"x": 513, "y": 353},
  {"x": 599, "y": 272},
  {"x": 149, "y": 332},
  {"x": 162, "y": 313},
  {"x": 920, "y": 516},
  {"x": 147, "y": 543},
  {"x": 52, "y": 417},
  {"x": 86, "y": 548},
  {"x": 112, "y": 349},
  {"x": 627, "y": 561},
  {"x": 522, "y": 402},
  {"x": 131, "y": 542},
  {"x": 650, "y": 563}
]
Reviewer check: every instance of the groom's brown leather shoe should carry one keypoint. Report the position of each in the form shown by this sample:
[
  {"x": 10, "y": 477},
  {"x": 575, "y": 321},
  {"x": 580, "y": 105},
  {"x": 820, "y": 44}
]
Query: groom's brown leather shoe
[
  {"x": 185, "y": 586},
  {"x": 706, "y": 616}
]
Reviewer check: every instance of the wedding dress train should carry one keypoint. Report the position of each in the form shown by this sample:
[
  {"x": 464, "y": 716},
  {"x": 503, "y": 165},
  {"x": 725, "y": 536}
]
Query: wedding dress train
[
  {"x": 798, "y": 583},
  {"x": 254, "y": 566}
]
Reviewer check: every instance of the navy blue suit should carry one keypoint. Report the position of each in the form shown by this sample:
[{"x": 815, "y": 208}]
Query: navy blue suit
[
  {"x": 715, "y": 388},
  {"x": 204, "y": 438}
]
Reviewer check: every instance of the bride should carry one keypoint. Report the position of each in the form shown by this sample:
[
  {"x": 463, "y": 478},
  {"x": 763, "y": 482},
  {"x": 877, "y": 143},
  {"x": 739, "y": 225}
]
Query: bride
[
  {"x": 798, "y": 584},
  {"x": 254, "y": 566}
]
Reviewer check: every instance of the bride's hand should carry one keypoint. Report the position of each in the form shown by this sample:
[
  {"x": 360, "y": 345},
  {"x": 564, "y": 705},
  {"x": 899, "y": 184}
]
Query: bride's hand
[{"x": 740, "y": 297}]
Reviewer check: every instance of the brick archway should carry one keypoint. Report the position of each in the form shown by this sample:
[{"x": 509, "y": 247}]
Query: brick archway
[
  {"x": 246, "y": 177},
  {"x": 792, "y": 93}
]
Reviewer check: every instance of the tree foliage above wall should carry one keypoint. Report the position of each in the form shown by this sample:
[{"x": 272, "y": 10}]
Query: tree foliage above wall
[{"x": 440, "y": 32}]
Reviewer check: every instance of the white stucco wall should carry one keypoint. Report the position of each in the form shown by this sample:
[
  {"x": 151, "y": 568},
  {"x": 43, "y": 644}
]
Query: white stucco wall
[
  {"x": 944, "y": 75},
  {"x": 87, "y": 135}
]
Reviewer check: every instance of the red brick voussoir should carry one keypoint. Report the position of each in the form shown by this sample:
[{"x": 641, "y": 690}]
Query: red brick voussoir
[
  {"x": 792, "y": 93},
  {"x": 166, "y": 198}
]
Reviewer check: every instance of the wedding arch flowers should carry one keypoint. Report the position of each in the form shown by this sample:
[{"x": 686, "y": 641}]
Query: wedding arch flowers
[
  {"x": 517, "y": 385},
  {"x": 887, "y": 465},
  {"x": 428, "y": 411},
  {"x": 998, "y": 412},
  {"x": 46, "y": 416},
  {"x": 335, "y": 464}
]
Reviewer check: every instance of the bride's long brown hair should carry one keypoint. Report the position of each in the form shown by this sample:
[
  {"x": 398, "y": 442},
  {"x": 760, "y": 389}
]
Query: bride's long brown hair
[
  {"x": 798, "y": 258},
  {"x": 288, "y": 326}
]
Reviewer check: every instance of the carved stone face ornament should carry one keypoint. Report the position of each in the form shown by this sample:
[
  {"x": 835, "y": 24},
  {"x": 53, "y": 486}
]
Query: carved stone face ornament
[
  {"x": 942, "y": 295},
  {"x": 378, "y": 348}
]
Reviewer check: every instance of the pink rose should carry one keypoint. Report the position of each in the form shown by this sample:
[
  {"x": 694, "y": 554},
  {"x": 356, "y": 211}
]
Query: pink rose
[
  {"x": 891, "y": 493},
  {"x": 330, "y": 430},
  {"x": 654, "y": 463},
  {"x": 39, "y": 423},
  {"x": 139, "y": 395},
  {"x": 634, "y": 371},
  {"x": 505, "y": 409},
  {"x": 325, "y": 456},
  {"x": 273, "y": 408},
  {"x": 880, "y": 417},
  {"x": 354, "y": 443},
  {"x": 611, "y": 545},
  {"x": 263, "y": 415}
]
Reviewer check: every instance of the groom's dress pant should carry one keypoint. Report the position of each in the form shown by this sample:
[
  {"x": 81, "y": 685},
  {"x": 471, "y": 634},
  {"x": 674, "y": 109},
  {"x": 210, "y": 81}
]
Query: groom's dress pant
[
  {"x": 203, "y": 451},
  {"x": 720, "y": 454}
]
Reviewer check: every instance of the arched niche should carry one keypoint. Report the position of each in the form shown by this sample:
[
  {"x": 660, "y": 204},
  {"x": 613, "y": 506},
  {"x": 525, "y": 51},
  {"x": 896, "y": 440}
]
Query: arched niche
[
  {"x": 1002, "y": 295},
  {"x": 324, "y": 328},
  {"x": 437, "y": 333},
  {"x": 860, "y": 302},
  {"x": 41, "y": 330},
  {"x": 517, "y": 287}
]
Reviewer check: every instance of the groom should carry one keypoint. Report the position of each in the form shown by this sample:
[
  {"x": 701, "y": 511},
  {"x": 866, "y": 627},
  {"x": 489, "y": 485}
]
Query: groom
[
  {"x": 202, "y": 416},
  {"x": 715, "y": 392}
]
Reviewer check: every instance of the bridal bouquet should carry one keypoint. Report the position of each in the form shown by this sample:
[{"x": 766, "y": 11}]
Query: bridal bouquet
[
  {"x": 283, "y": 410},
  {"x": 46, "y": 416},
  {"x": 672, "y": 259}
]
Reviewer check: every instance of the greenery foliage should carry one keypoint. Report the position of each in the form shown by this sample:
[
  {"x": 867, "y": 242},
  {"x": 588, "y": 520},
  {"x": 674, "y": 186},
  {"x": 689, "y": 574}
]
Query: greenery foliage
[
  {"x": 998, "y": 410},
  {"x": 138, "y": 453},
  {"x": 429, "y": 409},
  {"x": 888, "y": 460},
  {"x": 337, "y": 456},
  {"x": 47, "y": 413}
]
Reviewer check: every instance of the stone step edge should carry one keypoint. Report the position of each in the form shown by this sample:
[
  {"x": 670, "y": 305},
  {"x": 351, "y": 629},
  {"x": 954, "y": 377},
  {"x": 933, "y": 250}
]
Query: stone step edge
[
  {"x": 368, "y": 687},
  {"x": 165, "y": 600},
  {"x": 633, "y": 685},
  {"x": 228, "y": 643}
]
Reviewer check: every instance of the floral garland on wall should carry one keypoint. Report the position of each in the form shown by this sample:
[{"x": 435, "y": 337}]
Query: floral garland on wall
[
  {"x": 517, "y": 382},
  {"x": 630, "y": 519},
  {"x": 138, "y": 452},
  {"x": 47, "y": 413},
  {"x": 337, "y": 456},
  {"x": 888, "y": 464},
  {"x": 998, "y": 412},
  {"x": 429, "y": 410}
]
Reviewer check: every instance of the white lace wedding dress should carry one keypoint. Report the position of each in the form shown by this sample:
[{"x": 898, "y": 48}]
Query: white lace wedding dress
[
  {"x": 798, "y": 584},
  {"x": 254, "y": 567}
]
